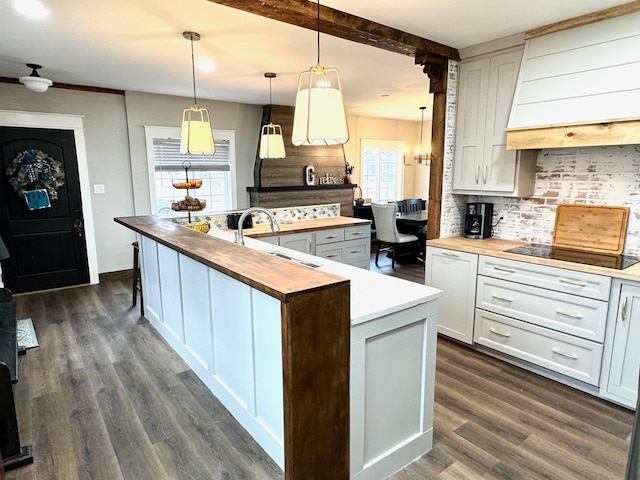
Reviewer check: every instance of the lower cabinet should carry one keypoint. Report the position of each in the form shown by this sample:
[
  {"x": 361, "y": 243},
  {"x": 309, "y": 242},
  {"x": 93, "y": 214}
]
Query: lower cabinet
[
  {"x": 454, "y": 273},
  {"x": 621, "y": 365},
  {"x": 300, "y": 242}
]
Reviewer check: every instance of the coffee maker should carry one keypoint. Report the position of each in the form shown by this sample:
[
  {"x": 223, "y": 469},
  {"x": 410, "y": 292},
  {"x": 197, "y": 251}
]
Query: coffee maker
[{"x": 477, "y": 220}]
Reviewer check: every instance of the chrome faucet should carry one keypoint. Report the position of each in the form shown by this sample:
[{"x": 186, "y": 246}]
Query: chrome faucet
[{"x": 272, "y": 220}]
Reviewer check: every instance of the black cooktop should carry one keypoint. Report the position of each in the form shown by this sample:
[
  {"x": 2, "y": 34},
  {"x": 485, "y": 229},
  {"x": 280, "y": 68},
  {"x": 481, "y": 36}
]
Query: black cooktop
[{"x": 541, "y": 250}]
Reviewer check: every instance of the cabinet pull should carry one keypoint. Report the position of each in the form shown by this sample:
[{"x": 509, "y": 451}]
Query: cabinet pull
[
  {"x": 331, "y": 256},
  {"x": 504, "y": 299},
  {"x": 576, "y": 283},
  {"x": 449, "y": 254},
  {"x": 567, "y": 355},
  {"x": 310, "y": 245},
  {"x": 497, "y": 332},
  {"x": 624, "y": 309},
  {"x": 477, "y": 173},
  {"x": 567, "y": 314},
  {"x": 329, "y": 237},
  {"x": 357, "y": 233},
  {"x": 504, "y": 269},
  {"x": 484, "y": 177},
  {"x": 355, "y": 251}
]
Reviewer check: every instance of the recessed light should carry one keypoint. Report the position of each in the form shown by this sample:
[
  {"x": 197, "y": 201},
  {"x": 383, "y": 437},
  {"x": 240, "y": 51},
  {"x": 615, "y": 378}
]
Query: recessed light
[{"x": 33, "y": 9}]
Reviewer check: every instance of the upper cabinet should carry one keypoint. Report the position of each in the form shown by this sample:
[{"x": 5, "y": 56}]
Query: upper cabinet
[{"x": 482, "y": 163}]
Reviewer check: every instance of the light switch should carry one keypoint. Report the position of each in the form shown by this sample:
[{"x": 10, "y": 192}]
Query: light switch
[{"x": 98, "y": 188}]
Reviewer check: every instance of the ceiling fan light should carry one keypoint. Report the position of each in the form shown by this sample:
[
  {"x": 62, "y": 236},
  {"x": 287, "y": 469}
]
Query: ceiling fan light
[
  {"x": 319, "y": 116},
  {"x": 196, "y": 136},
  {"x": 271, "y": 142}
]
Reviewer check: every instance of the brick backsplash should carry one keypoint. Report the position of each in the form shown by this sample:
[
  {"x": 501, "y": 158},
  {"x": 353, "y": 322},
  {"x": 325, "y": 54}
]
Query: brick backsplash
[{"x": 593, "y": 176}]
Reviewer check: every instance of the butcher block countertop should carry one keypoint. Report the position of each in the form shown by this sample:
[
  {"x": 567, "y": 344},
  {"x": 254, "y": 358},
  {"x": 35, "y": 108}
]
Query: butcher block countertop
[
  {"x": 495, "y": 247},
  {"x": 264, "y": 229},
  {"x": 273, "y": 276}
]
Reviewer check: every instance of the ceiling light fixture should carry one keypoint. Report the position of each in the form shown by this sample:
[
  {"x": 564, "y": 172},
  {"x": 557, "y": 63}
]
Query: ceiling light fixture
[
  {"x": 196, "y": 136},
  {"x": 34, "y": 82},
  {"x": 271, "y": 141},
  {"x": 422, "y": 153},
  {"x": 319, "y": 117}
]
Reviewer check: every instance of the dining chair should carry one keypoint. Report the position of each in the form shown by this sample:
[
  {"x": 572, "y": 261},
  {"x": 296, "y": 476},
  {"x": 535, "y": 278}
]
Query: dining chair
[
  {"x": 402, "y": 205},
  {"x": 387, "y": 232},
  {"x": 415, "y": 204}
]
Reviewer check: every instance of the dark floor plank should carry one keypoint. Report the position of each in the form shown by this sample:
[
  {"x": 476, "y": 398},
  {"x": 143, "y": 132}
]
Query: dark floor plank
[{"x": 129, "y": 407}]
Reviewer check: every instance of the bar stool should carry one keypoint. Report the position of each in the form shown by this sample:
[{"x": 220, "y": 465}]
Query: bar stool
[{"x": 137, "y": 278}]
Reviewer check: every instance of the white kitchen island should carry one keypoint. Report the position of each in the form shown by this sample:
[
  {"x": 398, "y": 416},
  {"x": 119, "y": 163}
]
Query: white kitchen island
[{"x": 237, "y": 332}]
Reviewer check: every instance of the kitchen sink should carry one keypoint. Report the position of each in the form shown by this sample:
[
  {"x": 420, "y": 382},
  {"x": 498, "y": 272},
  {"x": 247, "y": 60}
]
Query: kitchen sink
[{"x": 293, "y": 259}]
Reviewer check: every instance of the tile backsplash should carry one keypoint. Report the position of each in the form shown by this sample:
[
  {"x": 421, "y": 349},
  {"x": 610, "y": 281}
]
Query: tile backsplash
[{"x": 593, "y": 176}]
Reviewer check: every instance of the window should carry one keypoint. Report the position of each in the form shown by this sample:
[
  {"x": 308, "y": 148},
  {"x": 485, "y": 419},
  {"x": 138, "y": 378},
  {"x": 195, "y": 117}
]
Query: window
[
  {"x": 167, "y": 166},
  {"x": 381, "y": 170}
]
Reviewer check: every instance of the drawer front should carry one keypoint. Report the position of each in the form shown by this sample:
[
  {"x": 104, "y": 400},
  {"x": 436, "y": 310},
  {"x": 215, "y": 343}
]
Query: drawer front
[
  {"x": 560, "y": 279},
  {"x": 329, "y": 236},
  {"x": 353, "y": 233},
  {"x": 565, "y": 354},
  {"x": 354, "y": 251},
  {"x": 559, "y": 311},
  {"x": 330, "y": 251}
]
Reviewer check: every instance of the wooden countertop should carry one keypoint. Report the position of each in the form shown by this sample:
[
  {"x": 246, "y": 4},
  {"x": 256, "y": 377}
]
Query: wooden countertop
[
  {"x": 271, "y": 275},
  {"x": 264, "y": 229},
  {"x": 495, "y": 247}
]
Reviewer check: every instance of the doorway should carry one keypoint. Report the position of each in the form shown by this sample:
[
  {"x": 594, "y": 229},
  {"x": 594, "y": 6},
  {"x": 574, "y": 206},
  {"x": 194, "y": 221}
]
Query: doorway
[{"x": 53, "y": 246}]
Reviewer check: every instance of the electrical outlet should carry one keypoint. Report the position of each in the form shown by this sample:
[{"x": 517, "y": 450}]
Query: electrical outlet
[{"x": 503, "y": 215}]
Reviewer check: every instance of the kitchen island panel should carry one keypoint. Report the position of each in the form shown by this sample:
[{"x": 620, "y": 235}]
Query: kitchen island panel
[
  {"x": 169, "y": 271},
  {"x": 232, "y": 337},
  {"x": 150, "y": 278},
  {"x": 194, "y": 281}
]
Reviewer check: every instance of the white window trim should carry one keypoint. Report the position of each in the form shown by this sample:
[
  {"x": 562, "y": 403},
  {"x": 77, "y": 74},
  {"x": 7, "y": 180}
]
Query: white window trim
[
  {"x": 151, "y": 132},
  {"x": 396, "y": 145}
]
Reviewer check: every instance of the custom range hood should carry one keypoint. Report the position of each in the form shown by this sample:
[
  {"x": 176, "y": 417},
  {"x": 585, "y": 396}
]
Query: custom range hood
[{"x": 580, "y": 84}]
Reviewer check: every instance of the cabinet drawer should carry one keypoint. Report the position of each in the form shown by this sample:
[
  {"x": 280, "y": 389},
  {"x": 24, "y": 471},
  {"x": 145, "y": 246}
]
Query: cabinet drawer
[
  {"x": 329, "y": 236},
  {"x": 560, "y": 279},
  {"x": 354, "y": 251},
  {"x": 362, "y": 231},
  {"x": 583, "y": 317},
  {"x": 565, "y": 354},
  {"x": 330, "y": 251}
]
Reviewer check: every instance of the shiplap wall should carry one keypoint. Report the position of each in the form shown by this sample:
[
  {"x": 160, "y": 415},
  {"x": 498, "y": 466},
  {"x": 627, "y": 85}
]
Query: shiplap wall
[{"x": 581, "y": 75}]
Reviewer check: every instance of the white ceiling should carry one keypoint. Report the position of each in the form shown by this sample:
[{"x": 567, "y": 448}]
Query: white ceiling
[{"x": 138, "y": 45}]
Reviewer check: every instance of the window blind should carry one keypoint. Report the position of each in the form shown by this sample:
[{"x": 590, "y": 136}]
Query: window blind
[{"x": 166, "y": 154}]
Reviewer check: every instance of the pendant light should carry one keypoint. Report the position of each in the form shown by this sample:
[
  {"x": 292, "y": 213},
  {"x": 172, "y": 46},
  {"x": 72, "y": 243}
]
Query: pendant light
[
  {"x": 35, "y": 82},
  {"x": 421, "y": 153},
  {"x": 271, "y": 141},
  {"x": 319, "y": 117},
  {"x": 196, "y": 136}
]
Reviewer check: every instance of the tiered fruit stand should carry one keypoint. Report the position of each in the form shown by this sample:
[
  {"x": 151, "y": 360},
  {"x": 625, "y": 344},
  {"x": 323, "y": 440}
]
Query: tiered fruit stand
[{"x": 190, "y": 203}]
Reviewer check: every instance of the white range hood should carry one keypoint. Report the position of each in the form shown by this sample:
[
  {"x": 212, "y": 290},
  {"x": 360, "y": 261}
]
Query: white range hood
[{"x": 579, "y": 87}]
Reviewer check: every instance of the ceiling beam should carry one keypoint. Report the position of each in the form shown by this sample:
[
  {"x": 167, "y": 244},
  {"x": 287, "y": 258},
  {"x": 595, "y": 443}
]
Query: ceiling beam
[{"x": 304, "y": 13}]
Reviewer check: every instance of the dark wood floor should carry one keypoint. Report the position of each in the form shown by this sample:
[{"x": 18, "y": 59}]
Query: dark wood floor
[{"x": 104, "y": 397}]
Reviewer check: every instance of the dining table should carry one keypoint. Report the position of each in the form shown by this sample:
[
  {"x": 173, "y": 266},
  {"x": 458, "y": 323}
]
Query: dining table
[{"x": 412, "y": 219}]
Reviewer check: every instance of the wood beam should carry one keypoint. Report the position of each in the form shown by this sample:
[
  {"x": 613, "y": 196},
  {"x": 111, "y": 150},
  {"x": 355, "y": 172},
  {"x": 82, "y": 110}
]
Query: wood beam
[
  {"x": 598, "y": 16},
  {"x": 304, "y": 13}
]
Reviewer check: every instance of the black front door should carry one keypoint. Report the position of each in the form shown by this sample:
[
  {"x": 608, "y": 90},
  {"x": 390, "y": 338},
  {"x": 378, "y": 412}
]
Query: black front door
[{"x": 46, "y": 245}]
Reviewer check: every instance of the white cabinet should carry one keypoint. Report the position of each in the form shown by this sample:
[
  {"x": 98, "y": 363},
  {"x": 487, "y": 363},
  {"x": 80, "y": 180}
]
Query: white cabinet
[
  {"x": 547, "y": 316},
  {"x": 482, "y": 163},
  {"x": 454, "y": 273},
  {"x": 300, "y": 242},
  {"x": 350, "y": 245},
  {"x": 621, "y": 365}
]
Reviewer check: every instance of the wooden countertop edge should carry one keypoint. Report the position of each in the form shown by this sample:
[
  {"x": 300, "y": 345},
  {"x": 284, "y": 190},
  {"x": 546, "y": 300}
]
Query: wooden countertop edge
[
  {"x": 264, "y": 229},
  {"x": 494, "y": 247},
  {"x": 276, "y": 277}
]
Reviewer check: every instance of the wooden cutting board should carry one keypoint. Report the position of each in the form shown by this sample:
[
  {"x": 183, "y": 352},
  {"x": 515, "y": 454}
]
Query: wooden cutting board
[{"x": 591, "y": 228}]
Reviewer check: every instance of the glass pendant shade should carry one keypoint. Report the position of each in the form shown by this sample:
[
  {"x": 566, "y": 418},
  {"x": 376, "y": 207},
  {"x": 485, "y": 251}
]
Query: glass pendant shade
[
  {"x": 196, "y": 136},
  {"x": 319, "y": 117},
  {"x": 271, "y": 142}
]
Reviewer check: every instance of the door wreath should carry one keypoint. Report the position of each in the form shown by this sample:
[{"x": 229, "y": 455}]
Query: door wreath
[{"x": 35, "y": 170}]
